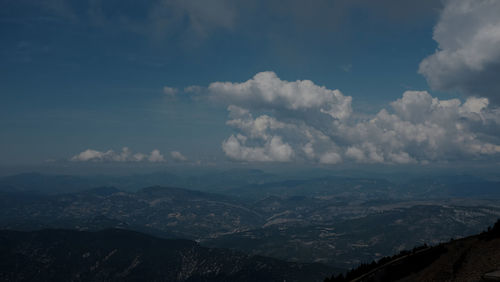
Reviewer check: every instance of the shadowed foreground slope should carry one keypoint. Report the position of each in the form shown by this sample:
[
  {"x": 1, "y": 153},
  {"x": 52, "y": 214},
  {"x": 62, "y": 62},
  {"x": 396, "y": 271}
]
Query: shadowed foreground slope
[
  {"x": 121, "y": 255},
  {"x": 467, "y": 259}
]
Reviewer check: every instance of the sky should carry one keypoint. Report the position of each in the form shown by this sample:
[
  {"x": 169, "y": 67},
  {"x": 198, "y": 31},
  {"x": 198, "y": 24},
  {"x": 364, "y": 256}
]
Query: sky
[{"x": 330, "y": 83}]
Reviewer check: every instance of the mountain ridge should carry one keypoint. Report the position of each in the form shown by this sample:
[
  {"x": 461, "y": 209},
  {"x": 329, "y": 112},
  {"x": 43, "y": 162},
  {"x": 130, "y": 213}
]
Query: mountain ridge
[
  {"x": 467, "y": 259},
  {"x": 123, "y": 255}
]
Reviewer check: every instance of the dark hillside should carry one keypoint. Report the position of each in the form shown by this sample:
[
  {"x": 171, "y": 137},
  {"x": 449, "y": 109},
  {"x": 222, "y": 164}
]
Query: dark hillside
[
  {"x": 467, "y": 259},
  {"x": 121, "y": 255}
]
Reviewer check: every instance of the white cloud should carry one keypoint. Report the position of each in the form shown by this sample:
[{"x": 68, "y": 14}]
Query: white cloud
[
  {"x": 330, "y": 158},
  {"x": 139, "y": 157},
  {"x": 254, "y": 128},
  {"x": 355, "y": 153},
  {"x": 423, "y": 128},
  {"x": 266, "y": 133},
  {"x": 417, "y": 128},
  {"x": 177, "y": 156},
  {"x": 195, "y": 89},
  {"x": 170, "y": 91},
  {"x": 111, "y": 156},
  {"x": 309, "y": 150},
  {"x": 274, "y": 150},
  {"x": 90, "y": 154},
  {"x": 265, "y": 90},
  {"x": 156, "y": 156},
  {"x": 468, "y": 56}
]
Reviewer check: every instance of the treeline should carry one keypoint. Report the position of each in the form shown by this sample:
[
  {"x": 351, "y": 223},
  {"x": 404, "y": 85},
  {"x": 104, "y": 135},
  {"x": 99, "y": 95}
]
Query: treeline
[
  {"x": 492, "y": 232},
  {"x": 410, "y": 261}
]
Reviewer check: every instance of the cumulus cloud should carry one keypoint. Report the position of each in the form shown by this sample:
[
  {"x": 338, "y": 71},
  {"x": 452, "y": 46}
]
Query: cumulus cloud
[
  {"x": 422, "y": 128},
  {"x": 468, "y": 55},
  {"x": 156, "y": 157},
  {"x": 111, "y": 156},
  {"x": 255, "y": 128},
  {"x": 266, "y": 90},
  {"x": 266, "y": 134},
  {"x": 178, "y": 156},
  {"x": 277, "y": 120},
  {"x": 274, "y": 150}
]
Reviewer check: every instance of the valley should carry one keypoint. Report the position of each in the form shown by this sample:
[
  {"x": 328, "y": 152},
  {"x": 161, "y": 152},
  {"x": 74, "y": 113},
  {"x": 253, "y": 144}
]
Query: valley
[{"x": 342, "y": 222}]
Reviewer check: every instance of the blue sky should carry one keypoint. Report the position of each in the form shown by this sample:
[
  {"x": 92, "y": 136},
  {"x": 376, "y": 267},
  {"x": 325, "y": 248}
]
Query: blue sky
[{"x": 89, "y": 76}]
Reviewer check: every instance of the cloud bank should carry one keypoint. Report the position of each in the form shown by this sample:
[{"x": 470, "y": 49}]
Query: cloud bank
[
  {"x": 468, "y": 55},
  {"x": 124, "y": 156},
  {"x": 277, "y": 120}
]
